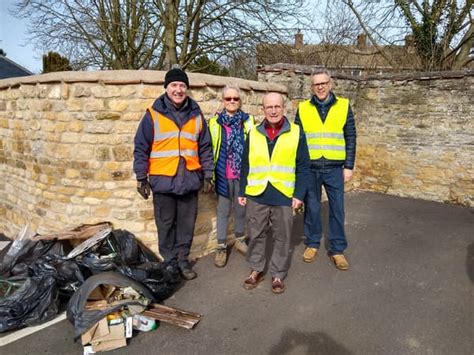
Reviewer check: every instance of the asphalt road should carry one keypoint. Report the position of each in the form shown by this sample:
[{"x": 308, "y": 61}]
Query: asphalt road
[{"x": 409, "y": 290}]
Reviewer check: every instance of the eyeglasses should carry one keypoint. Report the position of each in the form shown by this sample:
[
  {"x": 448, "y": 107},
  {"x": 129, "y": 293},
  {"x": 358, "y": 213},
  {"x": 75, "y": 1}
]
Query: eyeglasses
[
  {"x": 321, "y": 84},
  {"x": 229, "y": 99}
]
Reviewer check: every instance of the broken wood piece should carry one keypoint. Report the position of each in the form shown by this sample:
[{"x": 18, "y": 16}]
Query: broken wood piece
[
  {"x": 174, "y": 316},
  {"x": 174, "y": 310},
  {"x": 183, "y": 323}
]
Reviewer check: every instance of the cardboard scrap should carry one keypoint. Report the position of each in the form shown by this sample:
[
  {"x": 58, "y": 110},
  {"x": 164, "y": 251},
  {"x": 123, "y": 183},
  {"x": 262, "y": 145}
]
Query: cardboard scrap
[
  {"x": 110, "y": 345},
  {"x": 96, "y": 294},
  {"x": 113, "y": 332},
  {"x": 103, "y": 337},
  {"x": 98, "y": 330}
]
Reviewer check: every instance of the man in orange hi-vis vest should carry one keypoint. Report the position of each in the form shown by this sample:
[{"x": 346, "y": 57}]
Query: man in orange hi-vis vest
[{"x": 173, "y": 160}]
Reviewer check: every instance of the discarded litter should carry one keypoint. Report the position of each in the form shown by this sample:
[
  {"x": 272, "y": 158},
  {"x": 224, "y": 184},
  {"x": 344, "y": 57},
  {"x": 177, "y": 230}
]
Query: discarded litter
[
  {"x": 143, "y": 323},
  {"x": 34, "y": 300},
  {"x": 108, "y": 278}
]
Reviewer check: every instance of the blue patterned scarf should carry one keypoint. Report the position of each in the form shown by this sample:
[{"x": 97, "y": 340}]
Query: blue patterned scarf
[{"x": 235, "y": 141}]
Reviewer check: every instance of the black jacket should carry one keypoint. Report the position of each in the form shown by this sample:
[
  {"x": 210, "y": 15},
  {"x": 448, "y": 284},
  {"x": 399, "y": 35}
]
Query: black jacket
[{"x": 184, "y": 181}]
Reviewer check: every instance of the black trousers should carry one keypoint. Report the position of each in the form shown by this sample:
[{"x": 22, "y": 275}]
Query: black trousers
[{"x": 175, "y": 217}]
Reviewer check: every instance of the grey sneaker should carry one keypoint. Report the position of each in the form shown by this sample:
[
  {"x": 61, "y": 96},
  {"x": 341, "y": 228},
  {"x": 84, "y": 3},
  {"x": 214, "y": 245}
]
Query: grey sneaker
[
  {"x": 221, "y": 256},
  {"x": 240, "y": 245}
]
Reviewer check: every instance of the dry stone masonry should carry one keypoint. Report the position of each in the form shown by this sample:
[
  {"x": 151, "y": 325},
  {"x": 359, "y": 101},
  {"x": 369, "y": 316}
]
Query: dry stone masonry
[
  {"x": 415, "y": 131},
  {"x": 66, "y": 142},
  {"x": 66, "y": 149}
]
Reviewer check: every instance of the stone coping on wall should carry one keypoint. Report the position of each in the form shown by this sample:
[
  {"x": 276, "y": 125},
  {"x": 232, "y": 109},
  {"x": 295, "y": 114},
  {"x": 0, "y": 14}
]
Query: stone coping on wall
[
  {"x": 308, "y": 69},
  {"x": 130, "y": 77}
]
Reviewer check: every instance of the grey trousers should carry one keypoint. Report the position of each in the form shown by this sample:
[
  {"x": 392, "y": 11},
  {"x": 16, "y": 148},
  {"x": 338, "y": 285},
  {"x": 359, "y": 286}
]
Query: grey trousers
[
  {"x": 261, "y": 220},
  {"x": 224, "y": 207}
]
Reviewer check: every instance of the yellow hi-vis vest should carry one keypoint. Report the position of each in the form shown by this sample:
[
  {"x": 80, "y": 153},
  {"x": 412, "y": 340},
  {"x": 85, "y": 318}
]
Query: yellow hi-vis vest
[
  {"x": 280, "y": 169},
  {"x": 170, "y": 143},
  {"x": 216, "y": 134},
  {"x": 325, "y": 139}
]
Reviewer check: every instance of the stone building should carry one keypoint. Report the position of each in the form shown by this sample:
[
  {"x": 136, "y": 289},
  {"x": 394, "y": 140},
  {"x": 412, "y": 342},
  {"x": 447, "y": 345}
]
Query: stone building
[{"x": 356, "y": 59}]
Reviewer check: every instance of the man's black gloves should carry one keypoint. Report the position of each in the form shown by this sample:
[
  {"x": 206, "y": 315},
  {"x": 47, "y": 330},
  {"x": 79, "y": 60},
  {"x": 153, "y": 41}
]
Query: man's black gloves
[
  {"x": 144, "y": 188},
  {"x": 208, "y": 186}
]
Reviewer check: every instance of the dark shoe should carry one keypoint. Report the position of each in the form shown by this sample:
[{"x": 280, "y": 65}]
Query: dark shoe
[
  {"x": 221, "y": 256},
  {"x": 187, "y": 273},
  {"x": 253, "y": 280},
  {"x": 277, "y": 285}
]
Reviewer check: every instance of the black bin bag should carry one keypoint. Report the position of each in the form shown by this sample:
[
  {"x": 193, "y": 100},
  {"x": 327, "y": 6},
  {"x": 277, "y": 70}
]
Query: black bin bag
[
  {"x": 34, "y": 301},
  {"x": 83, "y": 319}
]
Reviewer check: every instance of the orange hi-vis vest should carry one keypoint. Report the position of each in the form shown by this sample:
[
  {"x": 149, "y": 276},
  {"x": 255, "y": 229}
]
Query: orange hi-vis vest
[{"x": 170, "y": 143}]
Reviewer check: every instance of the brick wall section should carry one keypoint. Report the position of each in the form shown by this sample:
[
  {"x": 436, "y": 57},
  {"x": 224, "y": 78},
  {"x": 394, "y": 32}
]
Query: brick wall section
[
  {"x": 66, "y": 149},
  {"x": 415, "y": 131}
]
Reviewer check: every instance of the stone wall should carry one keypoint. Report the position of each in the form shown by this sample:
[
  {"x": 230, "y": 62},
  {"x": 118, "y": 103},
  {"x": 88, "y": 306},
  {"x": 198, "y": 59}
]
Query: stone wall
[
  {"x": 66, "y": 149},
  {"x": 415, "y": 131}
]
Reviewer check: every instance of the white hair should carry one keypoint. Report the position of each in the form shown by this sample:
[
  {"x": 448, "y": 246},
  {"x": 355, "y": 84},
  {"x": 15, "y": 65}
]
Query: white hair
[{"x": 230, "y": 87}]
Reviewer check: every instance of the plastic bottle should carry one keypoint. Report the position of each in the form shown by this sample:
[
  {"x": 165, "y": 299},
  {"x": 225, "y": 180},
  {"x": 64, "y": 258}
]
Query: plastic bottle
[{"x": 143, "y": 324}]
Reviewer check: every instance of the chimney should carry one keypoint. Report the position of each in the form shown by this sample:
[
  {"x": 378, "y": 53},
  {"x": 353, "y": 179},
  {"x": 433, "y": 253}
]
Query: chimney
[
  {"x": 361, "y": 41},
  {"x": 298, "y": 40}
]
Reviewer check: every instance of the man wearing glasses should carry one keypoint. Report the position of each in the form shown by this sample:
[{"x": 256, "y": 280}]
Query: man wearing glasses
[
  {"x": 275, "y": 170},
  {"x": 328, "y": 123}
]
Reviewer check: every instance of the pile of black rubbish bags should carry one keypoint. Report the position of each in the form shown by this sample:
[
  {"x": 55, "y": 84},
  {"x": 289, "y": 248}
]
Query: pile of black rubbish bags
[{"x": 39, "y": 276}]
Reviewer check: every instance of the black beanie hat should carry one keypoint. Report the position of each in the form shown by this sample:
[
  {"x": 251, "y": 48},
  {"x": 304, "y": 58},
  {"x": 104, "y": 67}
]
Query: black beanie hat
[{"x": 176, "y": 74}]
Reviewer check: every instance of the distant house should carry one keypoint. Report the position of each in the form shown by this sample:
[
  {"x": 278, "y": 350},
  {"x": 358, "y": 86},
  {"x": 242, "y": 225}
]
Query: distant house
[
  {"x": 357, "y": 59},
  {"x": 10, "y": 69}
]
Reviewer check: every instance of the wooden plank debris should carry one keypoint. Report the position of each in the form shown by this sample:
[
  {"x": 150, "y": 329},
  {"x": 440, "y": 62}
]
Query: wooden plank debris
[{"x": 174, "y": 316}]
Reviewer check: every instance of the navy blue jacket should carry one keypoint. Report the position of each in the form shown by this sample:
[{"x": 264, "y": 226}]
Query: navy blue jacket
[
  {"x": 222, "y": 186},
  {"x": 184, "y": 181},
  {"x": 271, "y": 196},
  {"x": 349, "y": 134}
]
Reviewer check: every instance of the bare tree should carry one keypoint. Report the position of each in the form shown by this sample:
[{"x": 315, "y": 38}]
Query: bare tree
[
  {"x": 105, "y": 34},
  {"x": 442, "y": 30},
  {"x": 134, "y": 34}
]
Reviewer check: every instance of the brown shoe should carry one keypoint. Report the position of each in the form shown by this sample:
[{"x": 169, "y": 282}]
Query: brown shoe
[
  {"x": 253, "y": 280},
  {"x": 220, "y": 259},
  {"x": 340, "y": 261},
  {"x": 277, "y": 285},
  {"x": 240, "y": 245},
  {"x": 310, "y": 254}
]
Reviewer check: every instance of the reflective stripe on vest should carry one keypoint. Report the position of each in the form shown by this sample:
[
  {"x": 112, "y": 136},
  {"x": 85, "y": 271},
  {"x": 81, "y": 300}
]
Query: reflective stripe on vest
[
  {"x": 325, "y": 139},
  {"x": 280, "y": 169},
  {"x": 170, "y": 143}
]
